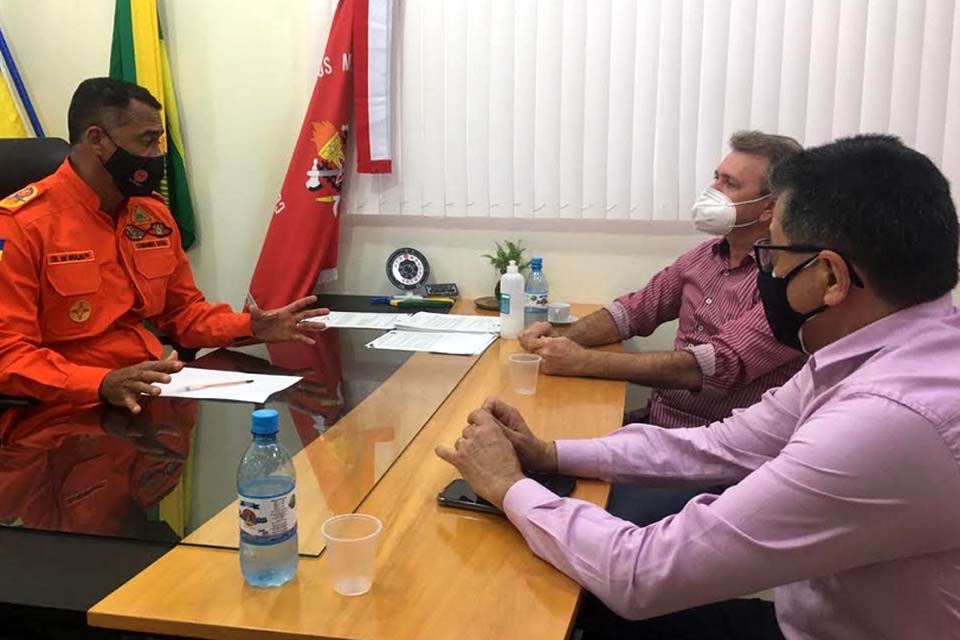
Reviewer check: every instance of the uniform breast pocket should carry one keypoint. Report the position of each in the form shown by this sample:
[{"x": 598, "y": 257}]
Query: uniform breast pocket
[
  {"x": 70, "y": 296},
  {"x": 74, "y": 279},
  {"x": 154, "y": 267},
  {"x": 154, "y": 263}
]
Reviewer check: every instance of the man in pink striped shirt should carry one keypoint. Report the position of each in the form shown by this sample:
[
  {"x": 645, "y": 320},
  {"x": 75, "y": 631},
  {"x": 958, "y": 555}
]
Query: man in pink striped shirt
[
  {"x": 724, "y": 356},
  {"x": 848, "y": 475}
]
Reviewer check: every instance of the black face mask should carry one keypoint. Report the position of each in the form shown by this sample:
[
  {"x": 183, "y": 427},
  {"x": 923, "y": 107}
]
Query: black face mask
[
  {"x": 134, "y": 175},
  {"x": 784, "y": 322}
]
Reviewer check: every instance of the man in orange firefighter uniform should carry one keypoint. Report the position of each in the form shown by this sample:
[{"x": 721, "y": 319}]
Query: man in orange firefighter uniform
[{"x": 91, "y": 252}]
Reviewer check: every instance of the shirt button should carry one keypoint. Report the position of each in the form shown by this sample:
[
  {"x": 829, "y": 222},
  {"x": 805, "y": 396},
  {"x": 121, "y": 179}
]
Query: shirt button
[
  {"x": 699, "y": 327},
  {"x": 726, "y": 272},
  {"x": 709, "y": 300}
]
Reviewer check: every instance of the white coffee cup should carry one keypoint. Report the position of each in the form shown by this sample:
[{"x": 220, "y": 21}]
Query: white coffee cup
[{"x": 558, "y": 312}]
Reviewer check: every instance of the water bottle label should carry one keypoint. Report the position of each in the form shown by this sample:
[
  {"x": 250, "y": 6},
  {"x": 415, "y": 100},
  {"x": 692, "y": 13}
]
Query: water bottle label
[
  {"x": 266, "y": 521},
  {"x": 537, "y": 301},
  {"x": 504, "y": 303}
]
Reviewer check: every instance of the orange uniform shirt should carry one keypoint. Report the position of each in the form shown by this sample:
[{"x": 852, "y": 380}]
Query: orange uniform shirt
[{"x": 77, "y": 284}]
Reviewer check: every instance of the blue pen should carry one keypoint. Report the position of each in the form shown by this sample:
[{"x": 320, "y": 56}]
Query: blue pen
[{"x": 382, "y": 300}]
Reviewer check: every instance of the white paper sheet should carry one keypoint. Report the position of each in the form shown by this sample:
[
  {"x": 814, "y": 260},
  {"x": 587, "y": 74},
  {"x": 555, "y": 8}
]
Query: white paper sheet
[
  {"x": 445, "y": 323},
  {"x": 183, "y": 385},
  {"x": 358, "y": 320},
  {"x": 460, "y": 344}
]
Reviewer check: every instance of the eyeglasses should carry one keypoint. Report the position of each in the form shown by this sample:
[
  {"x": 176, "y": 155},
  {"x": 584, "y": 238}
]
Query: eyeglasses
[{"x": 763, "y": 253}]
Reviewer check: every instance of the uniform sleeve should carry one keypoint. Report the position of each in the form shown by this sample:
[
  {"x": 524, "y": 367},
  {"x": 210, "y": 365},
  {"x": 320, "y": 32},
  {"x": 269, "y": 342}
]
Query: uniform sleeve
[
  {"x": 863, "y": 482},
  {"x": 742, "y": 351},
  {"x": 192, "y": 321},
  {"x": 641, "y": 312},
  {"x": 26, "y": 368}
]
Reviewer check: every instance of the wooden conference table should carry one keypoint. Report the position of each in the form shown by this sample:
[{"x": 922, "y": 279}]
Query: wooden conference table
[{"x": 440, "y": 572}]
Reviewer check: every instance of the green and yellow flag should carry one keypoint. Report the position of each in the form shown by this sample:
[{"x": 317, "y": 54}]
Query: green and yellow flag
[{"x": 139, "y": 55}]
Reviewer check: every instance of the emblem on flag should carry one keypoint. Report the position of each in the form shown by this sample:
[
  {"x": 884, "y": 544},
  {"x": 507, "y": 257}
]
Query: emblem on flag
[{"x": 330, "y": 156}]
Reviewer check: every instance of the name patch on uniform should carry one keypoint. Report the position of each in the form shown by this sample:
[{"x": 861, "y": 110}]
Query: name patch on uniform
[
  {"x": 143, "y": 245},
  {"x": 70, "y": 256}
]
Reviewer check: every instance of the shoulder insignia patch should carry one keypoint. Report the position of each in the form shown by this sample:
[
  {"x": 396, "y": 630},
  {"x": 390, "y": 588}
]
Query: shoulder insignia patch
[
  {"x": 160, "y": 230},
  {"x": 16, "y": 200},
  {"x": 140, "y": 215},
  {"x": 134, "y": 232}
]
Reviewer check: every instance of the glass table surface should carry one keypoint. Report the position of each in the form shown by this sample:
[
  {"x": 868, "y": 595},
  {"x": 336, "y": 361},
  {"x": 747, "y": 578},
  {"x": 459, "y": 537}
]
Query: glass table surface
[{"x": 169, "y": 473}]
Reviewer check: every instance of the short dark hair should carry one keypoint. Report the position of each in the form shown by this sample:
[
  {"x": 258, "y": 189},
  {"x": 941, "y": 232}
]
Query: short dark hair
[
  {"x": 103, "y": 101},
  {"x": 880, "y": 204},
  {"x": 774, "y": 147}
]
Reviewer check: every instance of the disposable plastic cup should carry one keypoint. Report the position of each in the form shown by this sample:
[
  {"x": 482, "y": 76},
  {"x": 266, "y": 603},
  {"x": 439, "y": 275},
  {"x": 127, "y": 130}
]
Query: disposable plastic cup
[
  {"x": 524, "y": 369},
  {"x": 351, "y": 550}
]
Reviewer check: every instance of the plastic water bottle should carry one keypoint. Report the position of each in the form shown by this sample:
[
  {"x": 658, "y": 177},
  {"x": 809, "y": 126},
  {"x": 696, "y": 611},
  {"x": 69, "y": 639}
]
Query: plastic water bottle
[
  {"x": 537, "y": 294},
  {"x": 511, "y": 302},
  {"x": 267, "y": 485}
]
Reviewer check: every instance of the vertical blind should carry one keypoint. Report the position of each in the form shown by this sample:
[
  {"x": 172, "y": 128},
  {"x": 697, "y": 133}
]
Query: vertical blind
[{"x": 620, "y": 109}]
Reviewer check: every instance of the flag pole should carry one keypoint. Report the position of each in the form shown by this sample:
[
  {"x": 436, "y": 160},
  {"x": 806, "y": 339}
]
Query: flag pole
[{"x": 21, "y": 90}]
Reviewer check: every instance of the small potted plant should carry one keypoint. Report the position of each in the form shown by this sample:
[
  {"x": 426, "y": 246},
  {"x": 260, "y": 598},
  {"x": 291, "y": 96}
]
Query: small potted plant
[{"x": 501, "y": 260}]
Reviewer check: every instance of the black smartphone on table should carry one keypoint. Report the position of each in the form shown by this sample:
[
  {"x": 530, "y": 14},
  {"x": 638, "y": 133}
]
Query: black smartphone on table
[{"x": 458, "y": 494}]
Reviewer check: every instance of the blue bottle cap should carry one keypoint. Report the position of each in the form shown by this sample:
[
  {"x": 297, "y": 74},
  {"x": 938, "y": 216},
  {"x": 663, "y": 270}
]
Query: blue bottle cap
[
  {"x": 536, "y": 263},
  {"x": 265, "y": 422}
]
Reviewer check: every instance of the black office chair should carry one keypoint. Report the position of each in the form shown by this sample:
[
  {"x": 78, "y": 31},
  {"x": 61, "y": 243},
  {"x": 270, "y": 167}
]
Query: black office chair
[{"x": 26, "y": 160}]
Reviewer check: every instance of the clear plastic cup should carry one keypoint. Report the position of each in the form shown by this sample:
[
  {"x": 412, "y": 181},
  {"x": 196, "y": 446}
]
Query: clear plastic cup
[
  {"x": 351, "y": 549},
  {"x": 524, "y": 368}
]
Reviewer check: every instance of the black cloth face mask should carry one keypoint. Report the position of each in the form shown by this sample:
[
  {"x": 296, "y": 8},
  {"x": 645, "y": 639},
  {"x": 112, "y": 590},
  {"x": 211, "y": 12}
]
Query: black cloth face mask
[
  {"x": 134, "y": 175},
  {"x": 785, "y": 323}
]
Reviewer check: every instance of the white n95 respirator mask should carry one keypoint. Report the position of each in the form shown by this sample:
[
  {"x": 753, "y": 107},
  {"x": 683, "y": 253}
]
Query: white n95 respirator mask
[{"x": 716, "y": 214}]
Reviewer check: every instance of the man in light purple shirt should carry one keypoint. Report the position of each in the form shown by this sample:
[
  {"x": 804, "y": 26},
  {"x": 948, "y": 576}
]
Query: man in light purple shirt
[{"x": 848, "y": 494}]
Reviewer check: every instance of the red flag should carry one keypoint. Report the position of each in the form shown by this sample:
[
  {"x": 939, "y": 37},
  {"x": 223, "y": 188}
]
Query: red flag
[{"x": 300, "y": 249}]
